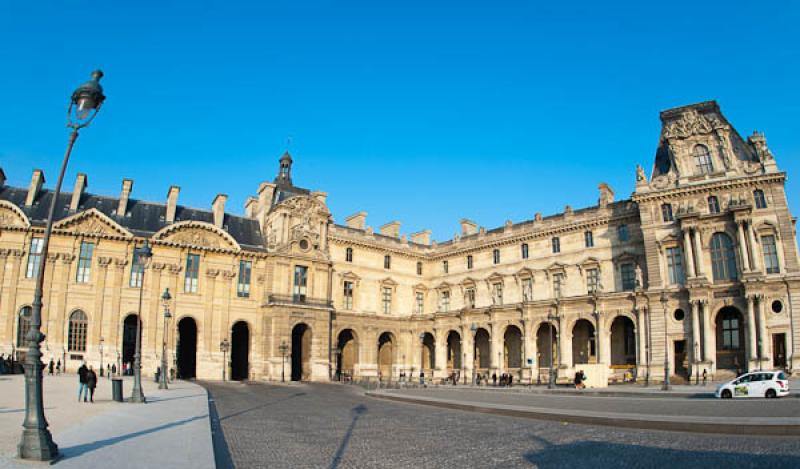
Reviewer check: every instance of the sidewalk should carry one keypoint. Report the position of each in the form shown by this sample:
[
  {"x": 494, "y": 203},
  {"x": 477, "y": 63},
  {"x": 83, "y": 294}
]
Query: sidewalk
[{"x": 171, "y": 430}]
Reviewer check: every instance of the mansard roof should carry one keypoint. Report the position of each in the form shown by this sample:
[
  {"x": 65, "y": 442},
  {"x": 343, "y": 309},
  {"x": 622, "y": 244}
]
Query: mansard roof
[{"x": 142, "y": 218}]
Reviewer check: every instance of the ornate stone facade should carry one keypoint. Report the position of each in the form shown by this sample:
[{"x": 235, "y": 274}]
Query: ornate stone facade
[{"x": 697, "y": 271}]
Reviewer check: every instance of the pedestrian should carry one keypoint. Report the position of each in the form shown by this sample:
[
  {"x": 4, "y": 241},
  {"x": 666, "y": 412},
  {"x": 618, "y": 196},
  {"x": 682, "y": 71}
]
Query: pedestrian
[
  {"x": 510, "y": 380},
  {"x": 91, "y": 383},
  {"x": 114, "y": 369},
  {"x": 82, "y": 388},
  {"x": 494, "y": 379},
  {"x": 579, "y": 378},
  {"x": 421, "y": 377},
  {"x": 108, "y": 371},
  {"x": 50, "y": 367},
  {"x": 2, "y": 364},
  {"x": 705, "y": 376},
  {"x": 58, "y": 367}
]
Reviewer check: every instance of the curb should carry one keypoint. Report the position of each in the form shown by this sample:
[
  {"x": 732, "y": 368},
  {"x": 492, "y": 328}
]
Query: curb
[{"x": 709, "y": 425}]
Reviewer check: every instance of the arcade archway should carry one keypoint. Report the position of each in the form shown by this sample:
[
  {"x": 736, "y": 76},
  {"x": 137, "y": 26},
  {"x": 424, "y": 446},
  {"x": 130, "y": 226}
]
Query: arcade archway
[
  {"x": 240, "y": 351},
  {"x": 187, "y": 348},
  {"x": 301, "y": 352}
]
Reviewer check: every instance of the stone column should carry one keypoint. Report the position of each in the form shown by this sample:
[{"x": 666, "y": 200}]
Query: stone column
[
  {"x": 755, "y": 259},
  {"x": 743, "y": 246},
  {"x": 698, "y": 252},
  {"x": 564, "y": 346},
  {"x": 641, "y": 338},
  {"x": 695, "y": 334},
  {"x": 531, "y": 350},
  {"x": 751, "y": 328},
  {"x": 688, "y": 251},
  {"x": 468, "y": 347},
  {"x": 708, "y": 354},
  {"x": 763, "y": 337},
  {"x": 494, "y": 363}
]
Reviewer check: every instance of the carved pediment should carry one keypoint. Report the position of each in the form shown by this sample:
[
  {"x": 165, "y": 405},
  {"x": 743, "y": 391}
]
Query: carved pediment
[
  {"x": 305, "y": 204},
  {"x": 692, "y": 123},
  {"x": 494, "y": 279},
  {"x": 197, "y": 234},
  {"x": 12, "y": 216},
  {"x": 92, "y": 222}
]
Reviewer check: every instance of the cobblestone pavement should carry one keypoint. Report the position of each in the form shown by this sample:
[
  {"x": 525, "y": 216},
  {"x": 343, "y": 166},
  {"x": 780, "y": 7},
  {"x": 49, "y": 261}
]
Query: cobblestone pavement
[
  {"x": 332, "y": 426},
  {"x": 707, "y": 407}
]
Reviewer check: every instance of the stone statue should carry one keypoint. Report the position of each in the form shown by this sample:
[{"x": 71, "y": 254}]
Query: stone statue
[
  {"x": 640, "y": 177},
  {"x": 639, "y": 277}
]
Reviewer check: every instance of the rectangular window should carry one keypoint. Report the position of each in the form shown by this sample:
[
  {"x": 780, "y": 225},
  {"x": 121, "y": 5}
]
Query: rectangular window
[
  {"x": 445, "y": 267},
  {"x": 84, "y": 262},
  {"x": 192, "y": 271},
  {"x": 770, "y": 254},
  {"x": 471, "y": 297},
  {"x": 300, "y": 283},
  {"x": 469, "y": 262},
  {"x": 496, "y": 256},
  {"x": 387, "y": 300},
  {"x": 524, "y": 251},
  {"x": 387, "y": 262},
  {"x": 666, "y": 213},
  {"x": 556, "y": 245},
  {"x": 34, "y": 258},
  {"x": 444, "y": 301},
  {"x": 348, "y": 295},
  {"x": 243, "y": 285},
  {"x": 593, "y": 280},
  {"x": 628, "y": 275},
  {"x": 588, "y": 239},
  {"x": 558, "y": 280},
  {"x": 348, "y": 255},
  {"x": 420, "y": 302},
  {"x": 419, "y": 268},
  {"x": 137, "y": 271},
  {"x": 674, "y": 265},
  {"x": 761, "y": 201},
  {"x": 622, "y": 232},
  {"x": 527, "y": 289}
]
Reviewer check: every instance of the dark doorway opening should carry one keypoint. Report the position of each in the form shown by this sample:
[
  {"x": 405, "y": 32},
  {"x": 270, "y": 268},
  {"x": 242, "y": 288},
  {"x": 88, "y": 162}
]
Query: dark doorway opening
[
  {"x": 240, "y": 351},
  {"x": 187, "y": 349},
  {"x": 129, "y": 340},
  {"x": 681, "y": 359},
  {"x": 730, "y": 339},
  {"x": 301, "y": 352},
  {"x": 347, "y": 350},
  {"x": 779, "y": 350}
]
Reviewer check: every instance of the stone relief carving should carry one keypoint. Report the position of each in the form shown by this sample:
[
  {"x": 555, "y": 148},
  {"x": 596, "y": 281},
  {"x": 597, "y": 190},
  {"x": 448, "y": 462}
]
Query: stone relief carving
[
  {"x": 9, "y": 218},
  {"x": 692, "y": 123},
  {"x": 196, "y": 237}
]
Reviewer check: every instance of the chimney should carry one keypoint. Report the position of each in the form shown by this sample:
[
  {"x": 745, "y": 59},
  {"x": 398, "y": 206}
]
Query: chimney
[
  {"x": 606, "y": 195},
  {"x": 357, "y": 220},
  {"x": 468, "y": 227},
  {"x": 265, "y": 192},
  {"x": 81, "y": 183},
  {"x": 391, "y": 229},
  {"x": 172, "y": 203},
  {"x": 2, "y": 178},
  {"x": 218, "y": 207},
  {"x": 250, "y": 206},
  {"x": 320, "y": 196},
  {"x": 36, "y": 185},
  {"x": 421, "y": 237},
  {"x": 127, "y": 188}
]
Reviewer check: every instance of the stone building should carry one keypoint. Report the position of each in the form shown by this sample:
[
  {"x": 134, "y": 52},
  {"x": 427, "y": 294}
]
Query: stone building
[{"x": 699, "y": 267}]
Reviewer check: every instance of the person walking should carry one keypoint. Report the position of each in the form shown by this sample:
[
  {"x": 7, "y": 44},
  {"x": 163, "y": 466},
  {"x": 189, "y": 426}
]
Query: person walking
[
  {"x": 108, "y": 371},
  {"x": 113, "y": 369},
  {"x": 58, "y": 367},
  {"x": 494, "y": 379},
  {"x": 91, "y": 383},
  {"x": 82, "y": 388},
  {"x": 50, "y": 367}
]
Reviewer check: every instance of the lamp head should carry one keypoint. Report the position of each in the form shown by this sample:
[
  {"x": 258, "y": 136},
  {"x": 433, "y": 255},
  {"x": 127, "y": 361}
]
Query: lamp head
[{"x": 86, "y": 101}]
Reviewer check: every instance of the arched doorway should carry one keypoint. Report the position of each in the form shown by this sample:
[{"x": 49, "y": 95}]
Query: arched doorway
[
  {"x": 240, "y": 351},
  {"x": 187, "y": 348},
  {"x": 347, "y": 347},
  {"x": 483, "y": 359},
  {"x": 428, "y": 354},
  {"x": 547, "y": 344},
  {"x": 512, "y": 349},
  {"x": 730, "y": 339},
  {"x": 385, "y": 355},
  {"x": 623, "y": 341},
  {"x": 301, "y": 352},
  {"x": 453, "y": 352},
  {"x": 129, "y": 340},
  {"x": 583, "y": 345}
]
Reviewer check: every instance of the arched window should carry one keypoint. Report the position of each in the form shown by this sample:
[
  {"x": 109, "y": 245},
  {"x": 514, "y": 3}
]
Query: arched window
[
  {"x": 348, "y": 255},
  {"x": 77, "y": 332},
  {"x": 713, "y": 204},
  {"x": 23, "y": 326},
  {"x": 702, "y": 160},
  {"x": 758, "y": 196},
  {"x": 723, "y": 257}
]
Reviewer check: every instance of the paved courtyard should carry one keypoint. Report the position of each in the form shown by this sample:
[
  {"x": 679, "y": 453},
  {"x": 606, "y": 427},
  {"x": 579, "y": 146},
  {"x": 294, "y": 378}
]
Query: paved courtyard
[{"x": 333, "y": 426}]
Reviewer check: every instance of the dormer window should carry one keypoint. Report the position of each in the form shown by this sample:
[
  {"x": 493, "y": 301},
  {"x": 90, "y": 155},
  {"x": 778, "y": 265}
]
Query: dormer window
[
  {"x": 713, "y": 204},
  {"x": 702, "y": 160}
]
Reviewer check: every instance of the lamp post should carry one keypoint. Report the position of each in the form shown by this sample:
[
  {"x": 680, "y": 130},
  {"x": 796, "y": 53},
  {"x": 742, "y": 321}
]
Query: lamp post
[
  {"x": 474, "y": 329},
  {"x": 666, "y": 386},
  {"x": 36, "y": 442},
  {"x": 162, "y": 383},
  {"x": 101, "y": 356},
  {"x": 422, "y": 358},
  {"x": 142, "y": 256},
  {"x": 551, "y": 375},
  {"x": 283, "y": 348},
  {"x": 696, "y": 365},
  {"x": 224, "y": 346}
]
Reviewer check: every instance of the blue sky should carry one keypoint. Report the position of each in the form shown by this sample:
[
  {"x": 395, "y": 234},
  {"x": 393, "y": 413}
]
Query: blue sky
[{"x": 424, "y": 112}]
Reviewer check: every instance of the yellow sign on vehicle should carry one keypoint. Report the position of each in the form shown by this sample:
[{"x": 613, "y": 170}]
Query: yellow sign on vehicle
[{"x": 741, "y": 390}]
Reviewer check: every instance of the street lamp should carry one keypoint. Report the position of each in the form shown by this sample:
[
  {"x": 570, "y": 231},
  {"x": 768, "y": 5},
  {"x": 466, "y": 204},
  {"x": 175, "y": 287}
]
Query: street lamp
[
  {"x": 224, "y": 346},
  {"x": 551, "y": 375},
  {"x": 283, "y": 348},
  {"x": 474, "y": 329},
  {"x": 162, "y": 384},
  {"x": 37, "y": 442},
  {"x": 142, "y": 255},
  {"x": 101, "y": 356},
  {"x": 666, "y": 386}
]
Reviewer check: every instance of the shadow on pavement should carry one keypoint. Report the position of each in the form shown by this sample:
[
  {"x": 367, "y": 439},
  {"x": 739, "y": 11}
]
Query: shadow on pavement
[
  {"x": 268, "y": 404},
  {"x": 603, "y": 454},
  {"x": 337, "y": 458},
  {"x": 75, "y": 451}
]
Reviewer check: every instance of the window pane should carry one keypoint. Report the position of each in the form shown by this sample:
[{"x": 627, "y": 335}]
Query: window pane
[
  {"x": 34, "y": 258},
  {"x": 84, "y": 262},
  {"x": 770, "y": 254},
  {"x": 628, "y": 275},
  {"x": 192, "y": 270},
  {"x": 243, "y": 286}
]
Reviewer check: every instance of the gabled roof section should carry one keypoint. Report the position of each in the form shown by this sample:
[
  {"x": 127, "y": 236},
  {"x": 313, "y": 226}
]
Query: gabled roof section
[{"x": 92, "y": 222}]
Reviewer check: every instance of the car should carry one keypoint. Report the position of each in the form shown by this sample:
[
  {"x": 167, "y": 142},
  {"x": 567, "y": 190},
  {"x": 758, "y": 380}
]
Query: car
[{"x": 769, "y": 384}]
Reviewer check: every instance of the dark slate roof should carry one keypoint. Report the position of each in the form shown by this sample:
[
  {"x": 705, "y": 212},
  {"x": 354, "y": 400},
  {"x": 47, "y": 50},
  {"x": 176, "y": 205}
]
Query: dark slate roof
[{"x": 142, "y": 219}]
